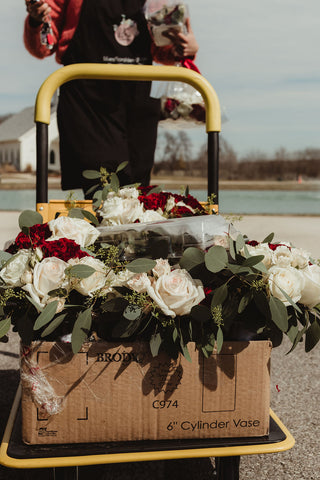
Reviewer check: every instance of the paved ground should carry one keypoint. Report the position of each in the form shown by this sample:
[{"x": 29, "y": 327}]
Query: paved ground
[{"x": 297, "y": 376}]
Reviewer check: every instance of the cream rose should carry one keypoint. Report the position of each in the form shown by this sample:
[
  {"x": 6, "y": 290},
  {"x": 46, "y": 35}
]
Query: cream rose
[
  {"x": 75, "y": 229},
  {"x": 128, "y": 192},
  {"x": 96, "y": 281},
  {"x": 120, "y": 211},
  {"x": 310, "y": 295},
  {"x": 300, "y": 258},
  {"x": 282, "y": 256},
  {"x": 288, "y": 279},
  {"x": 139, "y": 283},
  {"x": 12, "y": 273},
  {"x": 151, "y": 216},
  {"x": 47, "y": 275},
  {"x": 176, "y": 292},
  {"x": 262, "y": 249},
  {"x": 162, "y": 267}
]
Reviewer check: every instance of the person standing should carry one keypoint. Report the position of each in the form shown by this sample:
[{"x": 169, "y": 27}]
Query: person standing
[{"x": 102, "y": 122}]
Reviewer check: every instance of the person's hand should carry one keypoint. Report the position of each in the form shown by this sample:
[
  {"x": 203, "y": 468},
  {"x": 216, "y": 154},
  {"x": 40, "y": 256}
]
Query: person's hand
[
  {"x": 184, "y": 45},
  {"x": 38, "y": 10}
]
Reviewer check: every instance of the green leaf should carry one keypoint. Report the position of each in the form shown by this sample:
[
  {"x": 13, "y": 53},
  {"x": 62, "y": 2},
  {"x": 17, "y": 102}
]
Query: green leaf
[
  {"x": 105, "y": 191},
  {"x": 269, "y": 238},
  {"x": 216, "y": 259},
  {"x": 156, "y": 189},
  {"x": 253, "y": 260},
  {"x": 232, "y": 248},
  {"x": 121, "y": 166},
  {"x": 89, "y": 216},
  {"x": 4, "y": 257},
  {"x": 219, "y": 295},
  {"x": 28, "y": 218},
  {"x": 238, "y": 269},
  {"x": 132, "y": 313},
  {"x": 191, "y": 258},
  {"x": 261, "y": 301},
  {"x": 93, "y": 188},
  {"x": 219, "y": 339},
  {"x": 76, "y": 213},
  {"x": 53, "y": 325},
  {"x": 155, "y": 342},
  {"x": 114, "y": 182},
  {"x": 91, "y": 174},
  {"x": 279, "y": 314},
  {"x": 200, "y": 313},
  {"x": 5, "y": 326},
  {"x": 297, "y": 339},
  {"x": 184, "y": 349},
  {"x": 174, "y": 334},
  {"x": 79, "y": 271},
  {"x": 312, "y": 336},
  {"x": 81, "y": 329},
  {"x": 58, "y": 292},
  {"x": 240, "y": 243},
  {"x": 260, "y": 267},
  {"x": 97, "y": 199},
  {"x": 140, "y": 265},
  {"x": 46, "y": 315},
  {"x": 289, "y": 299},
  {"x": 244, "y": 302},
  {"x": 292, "y": 332}
]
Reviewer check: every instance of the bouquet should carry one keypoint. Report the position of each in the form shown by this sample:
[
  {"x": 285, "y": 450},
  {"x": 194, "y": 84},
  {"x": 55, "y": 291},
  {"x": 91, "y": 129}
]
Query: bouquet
[
  {"x": 60, "y": 282},
  {"x": 164, "y": 16}
]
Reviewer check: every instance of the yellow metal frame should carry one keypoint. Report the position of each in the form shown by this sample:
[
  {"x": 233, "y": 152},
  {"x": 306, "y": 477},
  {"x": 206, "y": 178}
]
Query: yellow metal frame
[
  {"x": 84, "y": 460},
  {"x": 128, "y": 72}
]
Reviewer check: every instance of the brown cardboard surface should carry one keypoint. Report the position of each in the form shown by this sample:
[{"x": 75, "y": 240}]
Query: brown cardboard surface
[{"x": 118, "y": 392}]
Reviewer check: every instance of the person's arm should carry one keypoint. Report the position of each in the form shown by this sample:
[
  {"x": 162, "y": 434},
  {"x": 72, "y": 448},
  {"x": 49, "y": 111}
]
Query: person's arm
[
  {"x": 183, "y": 45},
  {"x": 37, "y": 13}
]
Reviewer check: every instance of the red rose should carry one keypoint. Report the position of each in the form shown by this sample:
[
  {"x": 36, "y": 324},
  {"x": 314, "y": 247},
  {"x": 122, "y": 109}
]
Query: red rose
[
  {"x": 274, "y": 246},
  {"x": 171, "y": 104},
  {"x": 190, "y": 201},
  {"x": 178, "y": 212},
  {"x": 253, "y": 243},
  {"x": 64, "y": 248},
  {"x": 198, "y": 112},
  {"x": 153, "y": 201},
  {"x": 145, "y": 190},
  {"x": 37, "y": 235}
]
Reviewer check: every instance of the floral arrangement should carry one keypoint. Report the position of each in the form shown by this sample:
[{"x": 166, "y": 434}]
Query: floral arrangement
[
  {"x": 182, "y": 102},
  {"x": 59, "y": 282},
  {"x": 163, "y": 17}
]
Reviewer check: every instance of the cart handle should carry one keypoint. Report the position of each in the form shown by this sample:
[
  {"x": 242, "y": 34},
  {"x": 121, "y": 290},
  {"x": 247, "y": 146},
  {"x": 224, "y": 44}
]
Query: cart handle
[{"x": 124, "y": 72}]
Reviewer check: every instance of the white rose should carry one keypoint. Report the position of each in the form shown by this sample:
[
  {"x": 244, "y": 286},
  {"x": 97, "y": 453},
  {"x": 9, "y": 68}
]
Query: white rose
[
  {"x": 262, "y": 249},
  {"x": 119, "y": 211},
  {"x": 26, "y": 277},
  {"x": 310, "y": 295},
  {"x": 49, "y": 275},
  {"x": 129, "y": 192},
  {"x": 282, "y": 256},
  {"x": 221, "y": 240},
  {"x": 177, "y": 292},
  {"x": 151, "y": 216},
  {"x": 75, "y": 229},
  {"x": 162, "y": 267},
  {"x": 96, "y": 281},
  {"x": 11, "y": 274},
  {"x": 61, "y": 301},
  {"x": 139, "y": 283},
  {"x": 300, "y": 258},
  {"x": 170, "y": 204},
  {"x": 288, "y": 279},
  {"x": 121, "y": 278}
]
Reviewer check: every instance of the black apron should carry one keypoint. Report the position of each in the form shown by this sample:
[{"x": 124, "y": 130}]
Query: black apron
[{"x": 104, "y": 122}]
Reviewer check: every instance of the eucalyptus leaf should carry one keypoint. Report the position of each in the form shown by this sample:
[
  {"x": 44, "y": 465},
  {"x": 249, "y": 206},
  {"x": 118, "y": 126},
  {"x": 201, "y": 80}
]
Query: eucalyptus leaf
[
  {"x": 238, "y": 269},
  {"x": 93, "y": 188},
  {"x": 105, "y": 191},
  {"x": 140, "y": 265},
  {"x": 261, "y": 301},
  {"x": 297, "y": 339},
  {"x": 121, "y": 166},
  {"x": 240, "y": 243},
  {"x": 269, "y": 238},
  {"x": 81, "y": 329},
  {"x": 97, "y": 199},
  {"x": 155, "y": 343},
  {"x": 312, "y": 336},
  {"x": 292, "y": 332},
  {"x": 253, "y": 260},
  {"x": 116, "y": 304},
  {"x": 58, "y": 292},
  {"x": 244, "y": 302},
  {"x": 5, "y": 326},
  {"x": 279, "y": 314},
  {"x": 46, "y": 315},
  {"x": 89, "y": 216},
  {"x": 114, "y": 182},
  {"x": 185, "y": 350},
  {"x": 289, "y": 299},
  {"x": 28, "y": 218},
  {"x": 79, "y": 271},
  {"x": 232, "y": 248},
  {"x": 219, "y": 295},
  {"x": 174, "y": 334},
  {"x": 157, "y": 189},
  {"x": 4, "y": 257},
  {"x": 219, "y": 339},
  {"x": 132, "y": 313},
  {"x": 191, "y": 258},
  {"x": 216, "y": 259},
  {"x": 91, "y": 174},
  {"x": 53, "y": 325},
  {"x": 75, "y": 213}
]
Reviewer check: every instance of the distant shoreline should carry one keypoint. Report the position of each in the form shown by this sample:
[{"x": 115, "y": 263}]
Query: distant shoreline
[{"x": 27, "y": 181}]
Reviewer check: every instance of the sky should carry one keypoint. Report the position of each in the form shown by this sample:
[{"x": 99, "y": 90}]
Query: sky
[{"x": 261, "y": 57}]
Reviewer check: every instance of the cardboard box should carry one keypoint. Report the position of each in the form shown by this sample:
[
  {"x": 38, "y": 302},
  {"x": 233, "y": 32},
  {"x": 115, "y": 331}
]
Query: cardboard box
[{"x": 118, "y": 392}]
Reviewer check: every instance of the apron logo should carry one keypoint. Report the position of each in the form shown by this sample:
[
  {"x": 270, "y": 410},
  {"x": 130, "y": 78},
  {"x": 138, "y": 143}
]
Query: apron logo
[{"x": 126, "y": 32}]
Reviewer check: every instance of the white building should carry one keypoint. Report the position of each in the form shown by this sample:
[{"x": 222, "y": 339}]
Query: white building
[{"x": 18, "y": 141}]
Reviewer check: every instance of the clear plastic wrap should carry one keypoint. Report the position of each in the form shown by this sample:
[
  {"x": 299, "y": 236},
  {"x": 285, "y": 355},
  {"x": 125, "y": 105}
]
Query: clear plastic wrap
[{"x": 164, "y": 16}]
